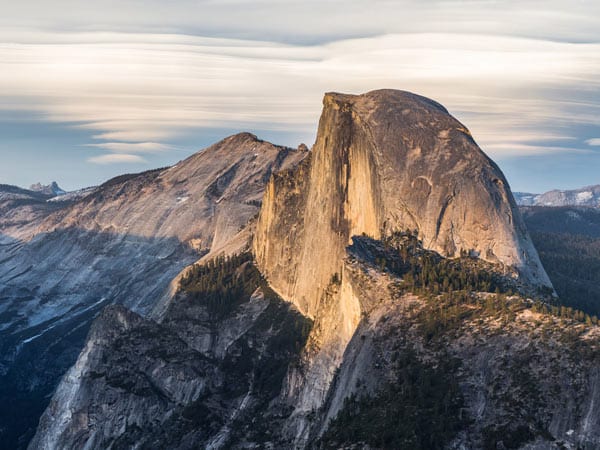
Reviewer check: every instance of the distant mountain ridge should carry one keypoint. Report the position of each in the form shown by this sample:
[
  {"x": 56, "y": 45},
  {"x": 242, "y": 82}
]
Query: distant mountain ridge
[
  {"x": 312, "y": 312},
  {"x": 585, "y": 196},
  {"x": 378, "y": 291},
  {"x": 63, "y": 258},
  {"x": 52, "y": 189}
]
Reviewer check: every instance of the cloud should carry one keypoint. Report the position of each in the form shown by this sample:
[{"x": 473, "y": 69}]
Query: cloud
[
  {"x": 310, "y": 22},
  {"x": 593, "y": 141},
  {"x": 133, "y": 147},
  {"x": 117, "y": 158},
  {"x": 521, "y": 77}
]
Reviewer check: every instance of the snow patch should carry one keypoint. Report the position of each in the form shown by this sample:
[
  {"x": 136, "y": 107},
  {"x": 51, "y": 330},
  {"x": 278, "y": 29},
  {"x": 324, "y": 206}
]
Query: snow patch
[
  {"x": 74, "y": 195},
  {"x": 62, "y": 320},
  {"x": 584, "y": 196}
]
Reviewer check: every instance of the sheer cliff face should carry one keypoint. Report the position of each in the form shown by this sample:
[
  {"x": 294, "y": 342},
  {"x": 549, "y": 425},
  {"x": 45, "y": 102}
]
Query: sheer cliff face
[
  {"x": 515, "y": 378},
  {"x": 255, "y": 372},
  {"x": 124, "y": 242},
  {"x": 384, "y": 161}
]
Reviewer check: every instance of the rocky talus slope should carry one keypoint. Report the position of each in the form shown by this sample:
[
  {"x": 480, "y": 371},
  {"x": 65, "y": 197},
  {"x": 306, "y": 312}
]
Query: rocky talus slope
[
  {"x": 428, "y": 367},
  {"x": 391, "y": 299},
  {"x": 123, "y": 242},
  {"x": 382, "y": 161}
]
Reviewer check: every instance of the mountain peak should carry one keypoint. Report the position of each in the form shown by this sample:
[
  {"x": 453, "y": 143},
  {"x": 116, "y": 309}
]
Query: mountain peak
[
  {"x": 243, "y": 136},
  {"x": 588, "y": 196},
  {"x": 384, "y": 161},
  {"x": 52, "y": 189},
  {"x": 393, "y": 98}
]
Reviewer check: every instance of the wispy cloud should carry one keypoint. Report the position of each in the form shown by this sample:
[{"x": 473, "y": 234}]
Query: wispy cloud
[
  {"x": 117, "y": 158},
  {"x": 138, "y": 91},
  {"x": 312, "y": 21},
  {"x": 523, "y": 78},
  {"x": 133, "y": 147},
  {"x": 593, "y": 141}
]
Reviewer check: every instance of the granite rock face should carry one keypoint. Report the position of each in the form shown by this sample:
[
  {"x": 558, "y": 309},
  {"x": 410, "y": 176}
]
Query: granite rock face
[
  {"x": 124, "y": 242},
  {"x": 385, "y": 161},
  {"x": 382, "y": 162}
]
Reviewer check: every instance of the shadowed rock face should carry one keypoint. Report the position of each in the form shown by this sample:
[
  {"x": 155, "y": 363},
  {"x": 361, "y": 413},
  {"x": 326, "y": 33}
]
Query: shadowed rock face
[
  {"x": 124, "y": 242},
  {"x": 383, "y": 161},
  {"x": 197, "y": 380}
]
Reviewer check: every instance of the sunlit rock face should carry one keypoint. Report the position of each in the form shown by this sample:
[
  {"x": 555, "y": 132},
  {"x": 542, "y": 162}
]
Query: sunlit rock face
[
  {"x": 124, "y": 242},
  {"x": 383, "y": 161}
]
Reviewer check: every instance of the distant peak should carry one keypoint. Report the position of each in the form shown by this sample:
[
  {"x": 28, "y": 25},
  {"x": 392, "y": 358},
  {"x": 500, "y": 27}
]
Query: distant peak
[
  {"x": 243, "y": 136},
  {"x": 241, "y": 143},
  {"x": 52, "y": 189}
]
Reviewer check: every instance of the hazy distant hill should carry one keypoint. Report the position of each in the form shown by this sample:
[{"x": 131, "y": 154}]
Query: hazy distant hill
[
  {"x": 52, "y": 189},
  {"x": 568, "y": 241},
  {"x": 586, "y": 196}
]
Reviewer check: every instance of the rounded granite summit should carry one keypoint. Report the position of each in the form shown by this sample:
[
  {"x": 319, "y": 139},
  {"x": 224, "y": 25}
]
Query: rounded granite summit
[{"x": 385, "y": 161}]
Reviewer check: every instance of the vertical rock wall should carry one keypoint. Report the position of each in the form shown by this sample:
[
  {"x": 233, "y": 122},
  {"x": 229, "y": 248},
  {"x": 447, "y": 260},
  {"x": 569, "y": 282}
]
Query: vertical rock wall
[{"x": 382, "y": 161}]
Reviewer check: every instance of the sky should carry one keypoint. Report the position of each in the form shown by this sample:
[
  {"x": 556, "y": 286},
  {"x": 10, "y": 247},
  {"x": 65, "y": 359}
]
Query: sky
[{"x": 90, "y": 90}]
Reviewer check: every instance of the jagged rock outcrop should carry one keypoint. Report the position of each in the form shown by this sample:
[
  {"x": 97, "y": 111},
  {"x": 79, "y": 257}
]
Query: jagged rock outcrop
[
  {"x": 397, "y": 331},
  {"x": 383, "y": 161},
  {"x": 51, "y": 190},
  {"x": 123, "y": 242},
  {"x": 201, "y": 378}
]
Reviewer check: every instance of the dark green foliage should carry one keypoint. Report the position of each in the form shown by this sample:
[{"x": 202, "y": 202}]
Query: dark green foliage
[
  {"x": 222, "y": 283},
  {"x": 403, "y": 254},
  {"x": 565, "y": 312},
  {"x": 419, "y": 409},
  {"x": 573, "y": 265},
  {"x": 568, "y": 242},
  {"x": 579, "y": 221},
  {"x": 453, "y": 290},
  {"x": 283, "y": 347},
  {"x": 259, "y": 360},
  {"x": 288, "y": 331},
  {"x": 511, "y": 438}
]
